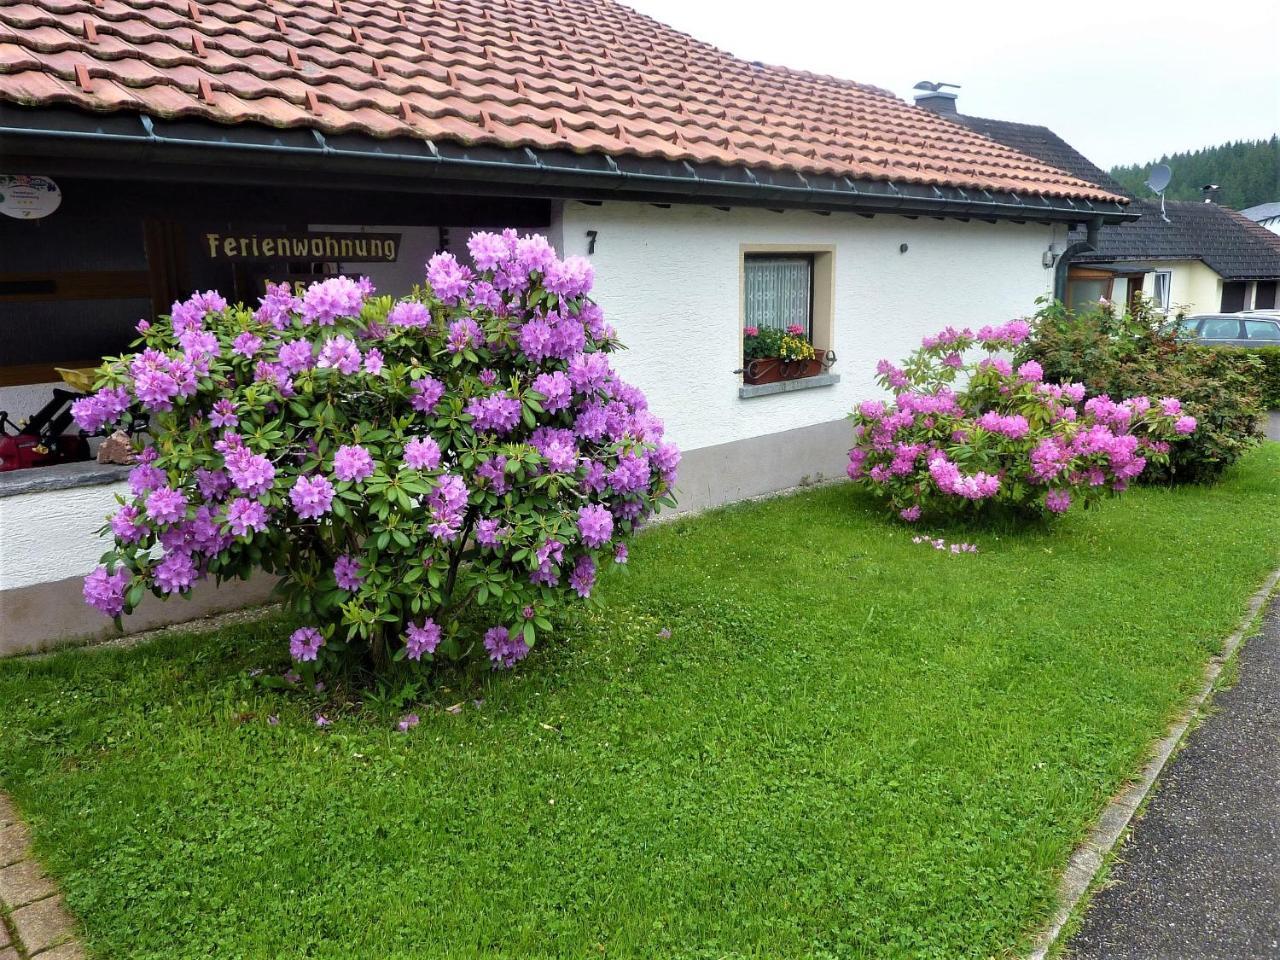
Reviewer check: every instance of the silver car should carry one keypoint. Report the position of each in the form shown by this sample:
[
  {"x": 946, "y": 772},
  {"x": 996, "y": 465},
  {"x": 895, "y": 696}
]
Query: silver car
[{"x": 1260, "y": 329}]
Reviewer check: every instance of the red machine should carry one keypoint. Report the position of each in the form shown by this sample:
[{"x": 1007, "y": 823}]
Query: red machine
[{"x": 41, "y": 441}]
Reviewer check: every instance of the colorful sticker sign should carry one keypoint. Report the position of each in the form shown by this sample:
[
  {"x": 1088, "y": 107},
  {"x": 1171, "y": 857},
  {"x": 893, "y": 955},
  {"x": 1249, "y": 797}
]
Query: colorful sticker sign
[{"x": 28, "y": 198}]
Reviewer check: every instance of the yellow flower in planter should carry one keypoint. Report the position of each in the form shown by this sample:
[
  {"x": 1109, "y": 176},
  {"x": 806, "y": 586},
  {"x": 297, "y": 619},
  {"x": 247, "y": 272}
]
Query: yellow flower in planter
[{"x": 795, "y": 348}]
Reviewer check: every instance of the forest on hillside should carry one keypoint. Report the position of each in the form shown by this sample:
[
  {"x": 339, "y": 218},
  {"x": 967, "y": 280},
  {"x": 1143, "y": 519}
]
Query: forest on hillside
[{"x": 1248, "y": 172}]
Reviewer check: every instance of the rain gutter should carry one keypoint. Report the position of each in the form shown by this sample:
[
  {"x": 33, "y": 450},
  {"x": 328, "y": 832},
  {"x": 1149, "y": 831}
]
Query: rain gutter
[{"x": 146, "y": 146}]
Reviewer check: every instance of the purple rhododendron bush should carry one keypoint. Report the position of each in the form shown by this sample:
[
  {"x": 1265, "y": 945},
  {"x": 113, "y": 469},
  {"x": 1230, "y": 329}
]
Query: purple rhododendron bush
[
  {"x": 1003, "y": 436},
  {"x": 463, "y": 455}
]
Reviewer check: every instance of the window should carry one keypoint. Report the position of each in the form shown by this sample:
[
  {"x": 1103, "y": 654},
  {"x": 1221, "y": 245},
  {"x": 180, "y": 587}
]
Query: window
[
  {"x": 1160, "y": 290},
  {"x": 1220, "y": 329},
  {"x": 1086, "y": 291},
  {"x": 1233, "y": 296},
  {"x": 1262, "y": 330},
  {"x": 1265, "y": 298},
  {"x": 778, "y": 291}
]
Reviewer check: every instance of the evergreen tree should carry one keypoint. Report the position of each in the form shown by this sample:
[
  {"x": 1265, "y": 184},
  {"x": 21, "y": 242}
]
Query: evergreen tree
[{"x": 1248, "y": 172}]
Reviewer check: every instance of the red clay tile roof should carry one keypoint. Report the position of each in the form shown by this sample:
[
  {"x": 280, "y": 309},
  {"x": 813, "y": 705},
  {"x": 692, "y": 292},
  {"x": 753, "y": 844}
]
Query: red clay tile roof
[{"x": 591, "y": 76}]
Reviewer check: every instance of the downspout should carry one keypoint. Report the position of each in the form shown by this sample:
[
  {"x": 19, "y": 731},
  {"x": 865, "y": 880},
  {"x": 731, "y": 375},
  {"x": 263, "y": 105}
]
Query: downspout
[{"x": 1061, "y": 268}]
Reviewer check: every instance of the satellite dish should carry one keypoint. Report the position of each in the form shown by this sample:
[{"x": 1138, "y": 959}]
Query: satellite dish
[
  {"x": 1159, "y": 178},
  {"x": 1158, "y": 181}
]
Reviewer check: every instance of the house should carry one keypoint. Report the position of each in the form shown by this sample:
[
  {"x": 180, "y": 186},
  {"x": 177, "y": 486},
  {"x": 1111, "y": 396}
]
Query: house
[
  {"x": 1186, "y": 257},
  {"x": 1265, "y": 214},
  {"x": 195, "y": 144},
  {"x": 1193, "y": 258}
]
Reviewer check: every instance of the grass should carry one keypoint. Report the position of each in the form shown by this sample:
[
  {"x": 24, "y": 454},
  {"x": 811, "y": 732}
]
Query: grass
[{"x": 848, "y": 746}]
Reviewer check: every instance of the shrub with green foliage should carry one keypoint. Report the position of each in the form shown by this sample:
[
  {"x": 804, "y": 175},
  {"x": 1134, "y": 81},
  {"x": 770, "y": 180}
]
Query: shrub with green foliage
[
  {"x": 1266, "y": 373},
  {"x": 467, "y": 450},
  {"x": 1121, "y": 354}
]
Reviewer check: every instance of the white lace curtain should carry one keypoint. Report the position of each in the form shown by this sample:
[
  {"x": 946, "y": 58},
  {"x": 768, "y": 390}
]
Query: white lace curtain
[{"x": 777, "y": 293}]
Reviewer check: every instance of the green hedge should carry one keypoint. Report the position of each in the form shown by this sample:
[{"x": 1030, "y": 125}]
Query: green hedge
[{"x": 1268, "y": 373}]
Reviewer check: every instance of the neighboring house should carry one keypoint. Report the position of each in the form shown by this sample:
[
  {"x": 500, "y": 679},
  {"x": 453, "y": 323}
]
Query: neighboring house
[
  {"x": 1204, "y": 258},
  {"x": 1265, "y": 214},
  {"x": 194, "y": 141}
]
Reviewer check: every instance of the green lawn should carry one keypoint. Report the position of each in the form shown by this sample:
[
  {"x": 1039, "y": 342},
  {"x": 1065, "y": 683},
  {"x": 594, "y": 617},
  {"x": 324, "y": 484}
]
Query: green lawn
[{"x": 848, "y": 745}]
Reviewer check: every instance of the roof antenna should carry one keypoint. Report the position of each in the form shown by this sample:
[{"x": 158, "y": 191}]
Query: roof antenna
[{"x": 1158, "y": 182}]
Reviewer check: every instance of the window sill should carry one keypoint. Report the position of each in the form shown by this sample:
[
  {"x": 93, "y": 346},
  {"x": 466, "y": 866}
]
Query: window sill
[
  {"x": 750, "y": 391},
  {"x": 64, "y": 476}
]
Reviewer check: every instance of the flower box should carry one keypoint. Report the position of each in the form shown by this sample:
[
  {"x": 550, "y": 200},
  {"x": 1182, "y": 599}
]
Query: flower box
[{"x": 775, "y": 369}]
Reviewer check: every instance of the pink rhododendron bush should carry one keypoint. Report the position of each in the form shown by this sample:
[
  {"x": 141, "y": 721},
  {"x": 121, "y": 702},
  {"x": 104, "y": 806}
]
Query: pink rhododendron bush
[
  {"x": 966, "y": 430},
  {"x": 466, "y": 455}
]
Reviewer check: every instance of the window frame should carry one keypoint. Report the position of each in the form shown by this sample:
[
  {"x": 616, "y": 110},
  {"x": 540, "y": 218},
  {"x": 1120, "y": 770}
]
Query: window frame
[
  {"x": 807, "y": 258},
  {"x": 822, "y": 327},
  {"x": 1246, "y": 298},
  {"x": 1262, "y": 322},
  {"x": 1162, "y": 306}
]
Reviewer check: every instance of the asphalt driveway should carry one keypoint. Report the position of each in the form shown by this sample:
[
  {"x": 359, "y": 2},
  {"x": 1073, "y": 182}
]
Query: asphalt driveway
[{"x": 1200, "y": 876}]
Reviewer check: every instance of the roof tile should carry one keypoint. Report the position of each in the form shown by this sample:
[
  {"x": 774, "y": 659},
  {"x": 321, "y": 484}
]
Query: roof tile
[{"x": 587, "y": 75}]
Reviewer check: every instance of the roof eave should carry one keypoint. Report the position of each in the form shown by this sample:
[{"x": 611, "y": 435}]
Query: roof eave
[{"x": 134, "y": 145}]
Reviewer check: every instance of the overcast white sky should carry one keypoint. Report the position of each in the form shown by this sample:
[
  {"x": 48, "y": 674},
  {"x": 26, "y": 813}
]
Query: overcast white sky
[{"x": 1122, "y": 81}]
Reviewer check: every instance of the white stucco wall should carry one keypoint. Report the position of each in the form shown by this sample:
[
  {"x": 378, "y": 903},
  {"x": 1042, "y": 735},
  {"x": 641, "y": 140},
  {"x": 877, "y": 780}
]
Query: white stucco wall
[
  {"x": 50, "y": 535},
  {"x": 1193, "y": 287},
  {"x": 668, "y": 279}
]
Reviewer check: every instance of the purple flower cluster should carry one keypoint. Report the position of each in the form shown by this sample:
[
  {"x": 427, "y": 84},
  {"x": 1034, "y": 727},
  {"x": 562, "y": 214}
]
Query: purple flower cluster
[
  {"x": 250, "y": 413},
  {"x": 409, "y": 313},
  {"x": 311, "y": 496},
  {"x": 497, "y": 413},
  {"x": 296, "y": 356},
  {"x": 464, "y": 334},
  {"x": 159, "y": 379},
  {"x": 246, "y": 517},
  {"x": 250, "y": 472},
  {"x": 506, "y": 647},
  {"x": 352, "y": 463},
  {"x": 583, "y": 576},
  {"x": 1035, "y": 443},
  {"x": 427, "y": 392},
  {"x": 101, "y": 409},
  {"x": 570, "y": 279},
  {"x": 557, "y": 390},
  {"x": 166, "y": 505},
  {"x": 949, "y": 479},
  {"x": 557, "y": 446},
  {"x": 595, "y": 524},
  {"x": 422, "y": 453},
  {"x": 446, "y": 505},
  {"x": 125, "y": 525},
  {"x": 346, "y": 573},
  {"x": 421, "y": 639},
  {"x": 340, "y": 353},
  {"x": 105, "y": 591},
  {"x": 1012, "y": 425},
  {"x": 326, "y": 301},
  {"x": 278, "y": 307},
  {"x": 305, "y": 643},
  {"x": 449, "y": 279},
  {"x": 494, "y": 473}
]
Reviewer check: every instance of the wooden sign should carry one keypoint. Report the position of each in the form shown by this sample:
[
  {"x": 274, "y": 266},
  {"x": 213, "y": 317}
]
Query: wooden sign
[{"x": 336, "y": 247}]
